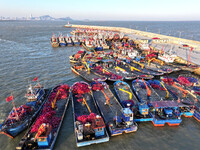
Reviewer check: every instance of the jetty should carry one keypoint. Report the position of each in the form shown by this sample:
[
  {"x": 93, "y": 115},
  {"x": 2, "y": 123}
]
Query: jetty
[{"x": 182, "y": 47}]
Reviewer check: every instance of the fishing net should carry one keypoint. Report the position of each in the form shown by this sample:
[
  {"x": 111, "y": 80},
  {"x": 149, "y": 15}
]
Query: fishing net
[
  {"x": 80, "y": 88},
  {"x": 86, "y": 118},
  {"x": 48, "y": 114},
  {"x": 184, "y": 81},
  {"x": 155, "y": 85},
  {"x": 187, "y": 81},
  {"x": 167, "y": 80},
  {"x": 97, "y": 87}
]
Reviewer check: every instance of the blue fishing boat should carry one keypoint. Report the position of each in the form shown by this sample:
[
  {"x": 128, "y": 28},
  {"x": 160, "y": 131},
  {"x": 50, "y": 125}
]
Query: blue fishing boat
[
  {"x": 196, "y": 114},
  {"x": 76, "y": 41},
  {"x": 68, "y": 41},
  {"x": 89, "y": 126},
  {"x": 184, "y": 97},
  {"x": 117, "y": 118},
  {"x": 44, "y": 131},
  {"x": 165, "y": 112},
  {"x": 61, "y": 40},
  {"x": 21, "y": 117},
  {"x": 128, "y": 100}
]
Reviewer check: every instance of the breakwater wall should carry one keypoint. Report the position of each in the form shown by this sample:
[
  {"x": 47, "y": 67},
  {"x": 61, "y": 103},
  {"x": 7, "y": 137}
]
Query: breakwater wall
[{"x": 174, "y": 40}]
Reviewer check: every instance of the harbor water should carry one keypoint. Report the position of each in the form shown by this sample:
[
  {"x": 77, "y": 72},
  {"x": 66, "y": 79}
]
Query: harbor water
[{"x": 26, "y": 53}]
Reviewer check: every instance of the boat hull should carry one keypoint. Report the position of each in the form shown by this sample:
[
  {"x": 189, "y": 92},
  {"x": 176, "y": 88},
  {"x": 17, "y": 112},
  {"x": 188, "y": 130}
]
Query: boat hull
[
  {"x": 55, "y": 44},
  {"x": 14, "y": 131},
  {"x": 197, "y": 115}
]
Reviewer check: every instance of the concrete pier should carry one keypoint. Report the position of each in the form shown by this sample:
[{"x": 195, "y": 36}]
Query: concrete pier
[
  {"x": 172, "y": 43},
  {"x": 174, "y": 40}
]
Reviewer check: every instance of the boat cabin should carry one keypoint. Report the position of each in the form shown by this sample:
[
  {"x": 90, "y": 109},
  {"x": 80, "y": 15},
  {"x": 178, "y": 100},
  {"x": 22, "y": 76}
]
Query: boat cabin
[
  {"x": 127, "y": 115},
  {"x": 44, "y": 140},
  {"x": 143, "y": 109},
  {"x": 98, "y": 126}
]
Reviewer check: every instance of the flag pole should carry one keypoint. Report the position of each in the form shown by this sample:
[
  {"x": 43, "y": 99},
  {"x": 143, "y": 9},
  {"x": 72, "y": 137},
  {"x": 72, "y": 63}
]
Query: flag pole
[
  {"x": 14, "y": 108},
  {"x": 189, "y": 56}
]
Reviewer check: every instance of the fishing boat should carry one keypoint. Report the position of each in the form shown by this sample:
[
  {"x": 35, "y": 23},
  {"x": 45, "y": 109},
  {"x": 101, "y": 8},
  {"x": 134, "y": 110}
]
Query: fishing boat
[
  {"x": 128, "y": 100},
  {"x": 165, "y": 112},
  {"x": 76, "y": 41},
  {"x": 141, "y": 67},
  {"x": 185, "y": 98},
  {"x": 76, "y": 58},
  {"x": 125, "y": 66},
  {"x": 110, "y": 65},
  {"x": 44, "y": 131},
  {"x": 61, "y": 40},
  {"x": 21, "y": 117},
  {"x": 54, "y": 41},
  {"x": 117, "y": 118},
  {"x": 167, "y": 58},
  {"x": 168, "y": 110},
  {"x": 83, "y": 71},
  {"x": 68, "y": 41},
  {"x": 89, "y": 126},
  {"x": 100, "y": 70},
  {"x": 161, "y": 66}
]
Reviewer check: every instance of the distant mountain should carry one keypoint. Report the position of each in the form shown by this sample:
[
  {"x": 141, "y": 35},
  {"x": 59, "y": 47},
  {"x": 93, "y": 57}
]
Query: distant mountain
[
  {"x": 66, "y": 18},
  {"x": 46, "y": 17}
]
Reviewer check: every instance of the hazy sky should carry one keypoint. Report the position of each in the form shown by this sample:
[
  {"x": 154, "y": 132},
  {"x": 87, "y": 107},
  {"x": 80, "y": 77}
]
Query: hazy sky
[{"x": 104, "y": 9}]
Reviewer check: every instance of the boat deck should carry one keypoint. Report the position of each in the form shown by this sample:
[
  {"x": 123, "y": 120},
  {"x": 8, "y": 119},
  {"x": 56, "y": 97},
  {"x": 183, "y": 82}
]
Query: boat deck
[{"x": 142, "y": 92}]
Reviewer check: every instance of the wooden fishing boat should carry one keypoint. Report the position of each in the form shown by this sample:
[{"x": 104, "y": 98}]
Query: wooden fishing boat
[
  {"x": 141, "y": 67},
  {"x": 128, "y": 100},
  {"x": 88, "y": 123},
  {"x": 20, "y": 118},
  {"x": 54, "y": 41},
  {"x": 117, "y": 119},
  {"x": 61, "y": 40},
  {"x": 84, "y": 72},
  {"x": 184, "y": 96},
  {"x": 43, "y": 133},
  {"x": 99, "y": 70},
  {"x": 130, "y": 69}
]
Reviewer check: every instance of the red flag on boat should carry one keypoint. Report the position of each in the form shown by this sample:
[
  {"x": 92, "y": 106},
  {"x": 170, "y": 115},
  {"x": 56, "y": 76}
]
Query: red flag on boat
[
  {"x": 156, "y": 105},
  {"x": 35, "y": 79},
  {"x": 10, "y": 98}
]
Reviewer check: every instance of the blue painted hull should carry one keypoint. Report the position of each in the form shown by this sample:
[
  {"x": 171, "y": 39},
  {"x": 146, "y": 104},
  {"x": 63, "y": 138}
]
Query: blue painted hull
[
  {"x": 14, "y": 131},
  {"x": 197, "y": 115},
  {"x": 77, "y": 43},
  {"x": 120, "y": 131},
  {"x": 187, "y": 114},
  {"x": 99, "y": 48},
  {"x": 62, "y": 44},
  {"x": 87, "y": 143},
  {"x": 70, "y": 44},
  {"x": 143, "y": 119},
  {"x": 162, "y": 122}
]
